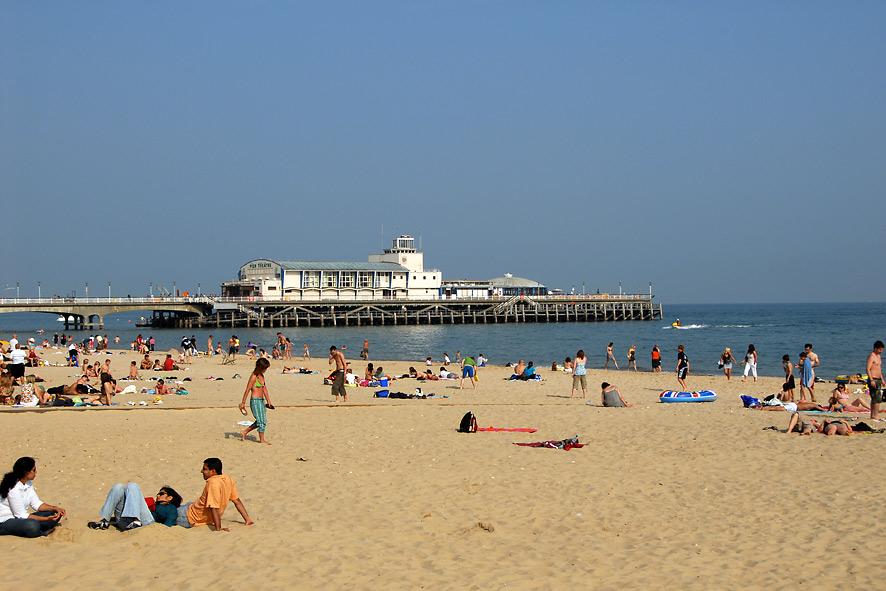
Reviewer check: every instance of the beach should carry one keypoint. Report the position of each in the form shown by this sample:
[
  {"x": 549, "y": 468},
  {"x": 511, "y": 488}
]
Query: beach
[{"x": 386, "y": 494}]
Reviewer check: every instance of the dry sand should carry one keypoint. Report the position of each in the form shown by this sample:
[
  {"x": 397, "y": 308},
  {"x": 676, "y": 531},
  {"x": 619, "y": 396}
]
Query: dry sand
[{"x": 662, "y": 496}]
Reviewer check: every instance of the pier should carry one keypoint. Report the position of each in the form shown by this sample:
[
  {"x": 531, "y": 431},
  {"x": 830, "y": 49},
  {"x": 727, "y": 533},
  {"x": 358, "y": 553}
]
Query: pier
[{"x": 265, "y": 312}]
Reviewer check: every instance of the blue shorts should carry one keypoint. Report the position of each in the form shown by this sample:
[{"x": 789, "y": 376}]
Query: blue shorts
[{"x": 467, "y": 371}]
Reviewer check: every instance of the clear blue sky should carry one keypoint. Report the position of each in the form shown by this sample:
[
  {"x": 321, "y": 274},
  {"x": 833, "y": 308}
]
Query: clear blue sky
[{"x": 725, "y": 151}]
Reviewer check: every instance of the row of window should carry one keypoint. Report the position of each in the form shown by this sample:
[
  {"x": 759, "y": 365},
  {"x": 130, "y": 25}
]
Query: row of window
[{"x": 346, "y": 279}]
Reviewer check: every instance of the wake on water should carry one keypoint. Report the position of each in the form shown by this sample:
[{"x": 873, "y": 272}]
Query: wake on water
[{"x": 692, "y": 326}]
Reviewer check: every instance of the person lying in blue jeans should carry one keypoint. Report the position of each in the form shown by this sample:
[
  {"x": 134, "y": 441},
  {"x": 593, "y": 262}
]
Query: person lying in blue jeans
[{"x": 128, "y": 509}]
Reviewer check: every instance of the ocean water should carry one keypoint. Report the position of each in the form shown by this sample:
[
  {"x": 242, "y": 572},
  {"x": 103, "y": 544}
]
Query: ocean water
[{"x": 841, "y": 334}]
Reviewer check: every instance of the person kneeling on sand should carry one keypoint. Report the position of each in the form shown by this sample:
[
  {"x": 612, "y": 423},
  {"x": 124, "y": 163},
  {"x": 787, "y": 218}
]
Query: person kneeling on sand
[
  {"x": 611, "y": 396},
  {"x": 207, "y": 510}
]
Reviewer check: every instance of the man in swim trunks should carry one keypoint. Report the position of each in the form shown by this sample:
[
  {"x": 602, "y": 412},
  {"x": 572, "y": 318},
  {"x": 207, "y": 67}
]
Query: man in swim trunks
[
  {"x": 874, "y": 368},
  {"x": 365, "y": 352},
  {"x": 338, "y": 384},
  {"x": 146, "y": 363}
]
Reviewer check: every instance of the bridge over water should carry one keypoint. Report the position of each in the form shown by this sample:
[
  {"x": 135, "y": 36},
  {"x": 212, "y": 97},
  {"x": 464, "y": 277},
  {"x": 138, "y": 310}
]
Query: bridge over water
[{"x": 89, "y": 313}]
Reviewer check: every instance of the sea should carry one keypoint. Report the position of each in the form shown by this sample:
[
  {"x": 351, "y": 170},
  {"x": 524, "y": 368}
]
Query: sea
[{"x": 841, "y": 334}]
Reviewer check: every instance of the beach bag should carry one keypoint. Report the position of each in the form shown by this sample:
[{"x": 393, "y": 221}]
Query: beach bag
[
  {"x": 749, "y": 401},
  {"x": 382, "y": 394},
  {"x": 468, "y": 423}
]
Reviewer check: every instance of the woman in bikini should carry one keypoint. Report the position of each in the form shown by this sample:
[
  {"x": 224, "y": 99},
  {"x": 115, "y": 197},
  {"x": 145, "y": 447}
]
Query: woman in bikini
[
  {"x": 255, "y": 385},
  {"x": 839, "y": 401}
]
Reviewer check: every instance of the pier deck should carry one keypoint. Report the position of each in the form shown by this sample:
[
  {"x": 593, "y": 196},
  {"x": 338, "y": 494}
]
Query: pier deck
[{"x": 200, "y": 311}]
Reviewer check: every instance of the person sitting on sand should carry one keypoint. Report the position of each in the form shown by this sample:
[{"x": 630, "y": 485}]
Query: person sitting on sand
[
  {"x": 133, "y": 371},
  {"x": 610, "y": 396},
  {"x": 90, "y": 372},
  {"x": 528, "y": 372},
  {"x": 567, "y": 365},
  {"x": 520, "y": 368},
  {"x": 367, "y": 375},
  {"x": 146, "y": 363},
  {"x": 839, "y": 401},
  {"x": 17, "y": 495},
  {"x": 169, "y": 363},
  {"x": 127, "y": 509}
]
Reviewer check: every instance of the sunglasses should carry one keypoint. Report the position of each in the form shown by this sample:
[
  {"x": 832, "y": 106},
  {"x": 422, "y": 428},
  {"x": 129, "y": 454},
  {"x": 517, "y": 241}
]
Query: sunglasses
[{"x": 161, "y": 493}]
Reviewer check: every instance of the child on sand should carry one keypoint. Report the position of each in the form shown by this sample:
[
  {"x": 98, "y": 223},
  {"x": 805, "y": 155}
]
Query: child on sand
[{"x": 260, "y": 399}]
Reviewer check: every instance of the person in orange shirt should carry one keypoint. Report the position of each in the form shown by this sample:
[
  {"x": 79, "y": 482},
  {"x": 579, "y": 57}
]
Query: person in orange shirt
[{"x": 209, "y": 508}]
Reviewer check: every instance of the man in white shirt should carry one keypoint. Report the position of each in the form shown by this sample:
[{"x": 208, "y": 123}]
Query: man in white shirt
[
  {"x": 17, "y": 362},
  {"x": 13, "y": 342}
]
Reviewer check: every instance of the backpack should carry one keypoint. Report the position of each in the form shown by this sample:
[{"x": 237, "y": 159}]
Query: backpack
[{"x": 468, "y": 423}]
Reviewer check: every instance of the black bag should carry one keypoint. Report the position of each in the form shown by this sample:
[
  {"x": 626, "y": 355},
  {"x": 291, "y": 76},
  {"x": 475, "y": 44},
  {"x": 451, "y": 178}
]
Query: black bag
[{"x": 468, "y": 423}]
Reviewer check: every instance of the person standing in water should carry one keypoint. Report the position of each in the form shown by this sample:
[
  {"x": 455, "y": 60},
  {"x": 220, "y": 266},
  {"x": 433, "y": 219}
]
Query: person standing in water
[
  {"x": 610, "y": 357},
  {"x": 255, "y": 384}
]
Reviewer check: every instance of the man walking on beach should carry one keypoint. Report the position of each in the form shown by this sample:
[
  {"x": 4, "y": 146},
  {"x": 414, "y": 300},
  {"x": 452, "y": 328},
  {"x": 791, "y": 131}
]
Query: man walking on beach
[
  {"x": 874, "y": 369},
  {"x": 338, "y": 383},
  {"x": 682, "y": 367},
  {"x": 365, "y": 352}
]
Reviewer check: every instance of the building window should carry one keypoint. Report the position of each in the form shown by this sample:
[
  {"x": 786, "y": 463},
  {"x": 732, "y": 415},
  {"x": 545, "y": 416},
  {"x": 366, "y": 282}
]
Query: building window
[
  {"x": 330, "y": 279},
  {"x": 348, "y": 279},
  {"x": 364, "y": 279},
  {"x": 312, "y": 279}
]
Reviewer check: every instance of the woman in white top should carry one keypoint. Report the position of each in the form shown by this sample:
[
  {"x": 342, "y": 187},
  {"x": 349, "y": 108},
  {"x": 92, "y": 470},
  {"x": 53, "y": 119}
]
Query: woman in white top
[
  {"x": 750, "y": 363},
  {"x": 16, "y": 495}
]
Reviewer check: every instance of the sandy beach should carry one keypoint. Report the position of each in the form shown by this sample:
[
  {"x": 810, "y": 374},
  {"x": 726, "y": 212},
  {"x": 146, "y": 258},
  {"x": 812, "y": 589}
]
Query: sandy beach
[{"x": 386, "y": 494}]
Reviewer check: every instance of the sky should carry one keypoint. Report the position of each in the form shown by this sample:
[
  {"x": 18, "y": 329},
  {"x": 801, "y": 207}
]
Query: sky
[{"x": 726, "y": 152}]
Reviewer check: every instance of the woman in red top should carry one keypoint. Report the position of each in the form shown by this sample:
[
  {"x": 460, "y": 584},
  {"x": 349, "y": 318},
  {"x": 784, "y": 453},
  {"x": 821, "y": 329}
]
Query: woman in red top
[{"x": 656, "y": 359}]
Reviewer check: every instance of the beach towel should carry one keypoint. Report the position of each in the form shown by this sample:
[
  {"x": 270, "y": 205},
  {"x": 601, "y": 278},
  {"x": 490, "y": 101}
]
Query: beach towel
[
  {"x": 515, "y": 378},
  {"x": 516, "y": 430},
  {"x": 565, "y": 444}
]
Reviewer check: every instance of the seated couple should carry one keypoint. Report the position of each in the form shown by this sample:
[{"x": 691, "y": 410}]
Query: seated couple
[
  {"x": 524, "y": 372},
  {"x": 828, "y": 427},
  {"x": 127, "y": 507}
]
